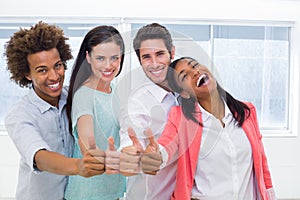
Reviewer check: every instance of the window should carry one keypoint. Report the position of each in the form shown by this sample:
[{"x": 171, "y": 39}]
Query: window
[
  {"x": 10, "y": 92},
  {"x": 252, "y": 62}
]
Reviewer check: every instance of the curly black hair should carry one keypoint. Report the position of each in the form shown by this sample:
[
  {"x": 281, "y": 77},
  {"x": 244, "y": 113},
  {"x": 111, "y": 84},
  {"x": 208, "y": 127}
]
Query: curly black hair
[{"x": 40, "y": 37}]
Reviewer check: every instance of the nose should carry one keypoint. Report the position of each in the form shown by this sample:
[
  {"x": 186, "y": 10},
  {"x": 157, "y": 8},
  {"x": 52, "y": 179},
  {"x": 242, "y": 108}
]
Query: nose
[
  {"x": 53, "y": 74},
  {"x": 107, "y": 63},
  {"x": 152, "y": 62},
  {"x": 195, "y": 72}
]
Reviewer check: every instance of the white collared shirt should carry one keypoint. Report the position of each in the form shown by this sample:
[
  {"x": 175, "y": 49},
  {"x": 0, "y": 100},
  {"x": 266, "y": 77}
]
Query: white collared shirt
[
  {"x": 225, "y": 164},
  {"x": 148, "y": 107}
]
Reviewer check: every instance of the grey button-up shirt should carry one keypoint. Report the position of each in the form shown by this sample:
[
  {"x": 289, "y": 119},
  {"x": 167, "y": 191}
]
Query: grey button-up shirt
[{"x": 34, "y": 124}]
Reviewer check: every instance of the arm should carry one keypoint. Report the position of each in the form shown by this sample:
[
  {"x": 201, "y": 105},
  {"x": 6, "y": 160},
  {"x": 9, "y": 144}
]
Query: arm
[
  {"x": 143, "y": 111},
  {"x": 169, "y": 140},
  {"x": 133, "y": 118},
  {"x": 93, "y": 157},
  {"x": 266, "y": 171},
  {"x": 35, "y": 139},
  {"x": 85, "y": 128},
  {"x": 158, "y": 155},
  {"x": 91, "y": 164},
  {"x": 56, "y": 163}
]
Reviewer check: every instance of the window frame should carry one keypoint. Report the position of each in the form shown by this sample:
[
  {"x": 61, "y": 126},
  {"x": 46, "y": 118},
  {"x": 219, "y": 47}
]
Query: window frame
[{"x": 124, "y": 26}]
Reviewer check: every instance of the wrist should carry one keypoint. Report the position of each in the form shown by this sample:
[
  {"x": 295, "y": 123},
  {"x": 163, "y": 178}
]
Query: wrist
[{"x": 75, "y": 170}]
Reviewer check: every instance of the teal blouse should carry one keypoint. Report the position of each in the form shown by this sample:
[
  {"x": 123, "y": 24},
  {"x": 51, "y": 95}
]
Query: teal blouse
[{"x": 104, "y": 108}]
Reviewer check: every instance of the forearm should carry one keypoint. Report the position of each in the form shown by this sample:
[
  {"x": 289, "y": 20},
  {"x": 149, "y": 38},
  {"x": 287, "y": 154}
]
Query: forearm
[{"x": 56, "y": 163}]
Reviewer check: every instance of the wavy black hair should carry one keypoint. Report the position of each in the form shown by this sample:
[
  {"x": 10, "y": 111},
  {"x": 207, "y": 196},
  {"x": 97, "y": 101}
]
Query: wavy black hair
[{"x": 239, "y": 109}]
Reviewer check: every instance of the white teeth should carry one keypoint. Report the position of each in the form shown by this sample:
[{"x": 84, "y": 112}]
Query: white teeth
[
  {"x": 156, "y": 72},
  {"x": 200, "y": 78},
  {"x": 53, "y": 86},
  {"x": 107, "y": 73}
]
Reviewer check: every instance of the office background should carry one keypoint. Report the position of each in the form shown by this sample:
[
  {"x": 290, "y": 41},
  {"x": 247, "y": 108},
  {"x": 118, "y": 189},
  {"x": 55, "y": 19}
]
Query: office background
[{"x": 223, "y": 29}]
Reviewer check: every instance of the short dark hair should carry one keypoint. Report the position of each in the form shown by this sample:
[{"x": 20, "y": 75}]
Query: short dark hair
[{"x": 152, "y": 31}]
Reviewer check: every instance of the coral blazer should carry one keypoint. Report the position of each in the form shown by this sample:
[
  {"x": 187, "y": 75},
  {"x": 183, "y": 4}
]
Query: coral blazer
[{"x": 183, "y": 136}]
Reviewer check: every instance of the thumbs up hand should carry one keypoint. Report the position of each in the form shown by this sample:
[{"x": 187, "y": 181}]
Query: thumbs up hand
[
  {"x": 151, "y": 158},
  {"x": 130, "y": 156},
  {"x": 112, "y": 159},
  {"x": 92, "y": 162}
]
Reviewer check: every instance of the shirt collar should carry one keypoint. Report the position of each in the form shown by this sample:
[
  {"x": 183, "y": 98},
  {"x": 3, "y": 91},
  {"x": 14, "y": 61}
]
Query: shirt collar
[
  {"x": 44, "y": 106},
  {"x": 158, "y": 92},
  {"x": 206, "y": 115}
]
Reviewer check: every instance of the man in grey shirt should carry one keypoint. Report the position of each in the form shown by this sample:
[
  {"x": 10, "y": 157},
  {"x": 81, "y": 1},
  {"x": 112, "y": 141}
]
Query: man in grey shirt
[{"x": 38, "y": 124}]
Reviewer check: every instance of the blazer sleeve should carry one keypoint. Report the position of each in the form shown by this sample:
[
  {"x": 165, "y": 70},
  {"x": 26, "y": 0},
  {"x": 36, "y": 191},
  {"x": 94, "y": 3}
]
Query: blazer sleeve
[
  {"x": 169, "y": 138},
  {"x": 266, "y": 171}
]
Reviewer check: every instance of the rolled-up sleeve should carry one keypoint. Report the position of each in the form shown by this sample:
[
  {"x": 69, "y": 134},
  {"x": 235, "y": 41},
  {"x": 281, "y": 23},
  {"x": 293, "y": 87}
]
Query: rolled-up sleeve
[{"x": 25, "y": 136}]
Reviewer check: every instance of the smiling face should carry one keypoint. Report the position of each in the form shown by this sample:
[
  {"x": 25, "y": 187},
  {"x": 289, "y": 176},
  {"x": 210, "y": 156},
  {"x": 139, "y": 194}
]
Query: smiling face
[
  {"x": 105, "y": 59},
  {"x": 155, "y": 60},
  {"x": 195, "y": 79},
  {"x": 47, "y": 74}
]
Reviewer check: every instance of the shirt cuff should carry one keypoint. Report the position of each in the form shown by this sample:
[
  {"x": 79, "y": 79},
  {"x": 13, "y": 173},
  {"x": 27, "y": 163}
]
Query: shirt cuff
[
  {"x": 165, "y": 156},
  {"x": 34, "y": 166},
  {"x": 271, "y": 194}
]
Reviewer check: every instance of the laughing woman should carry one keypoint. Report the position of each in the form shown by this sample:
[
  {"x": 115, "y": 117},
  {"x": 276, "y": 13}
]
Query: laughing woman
[{"x": 216, "y": 138}]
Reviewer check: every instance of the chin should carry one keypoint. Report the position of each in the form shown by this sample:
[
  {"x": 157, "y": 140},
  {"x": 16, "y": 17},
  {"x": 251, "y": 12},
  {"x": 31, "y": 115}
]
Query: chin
[
  {"x": 157, "y": 80},
  {"x": 56, "y": 93}
]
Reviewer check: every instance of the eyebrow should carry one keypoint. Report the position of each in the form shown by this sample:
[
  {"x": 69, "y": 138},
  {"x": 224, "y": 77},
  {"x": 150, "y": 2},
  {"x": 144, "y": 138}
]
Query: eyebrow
[
  {"x": 180, "y": 73},
  {"x": 145, "y": 55},
  {"x": 189, "y": 63},
  {"x": 38, "y": 67},
  {"x": 44, "y": 66},
  {"x": 160, "y": 51}
]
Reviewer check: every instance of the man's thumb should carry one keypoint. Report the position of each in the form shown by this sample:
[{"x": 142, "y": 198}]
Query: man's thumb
[
  {"x": 152, "y": 142},
  {"x": 134, "y": 139},
  {"x": 111, "y": 143}
]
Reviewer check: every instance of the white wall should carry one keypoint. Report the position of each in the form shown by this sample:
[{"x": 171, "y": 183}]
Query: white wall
[{"x": 283, "y": 152}]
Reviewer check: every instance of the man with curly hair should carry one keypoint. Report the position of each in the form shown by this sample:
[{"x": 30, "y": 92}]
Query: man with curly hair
[{"x": 38, "y": 124}]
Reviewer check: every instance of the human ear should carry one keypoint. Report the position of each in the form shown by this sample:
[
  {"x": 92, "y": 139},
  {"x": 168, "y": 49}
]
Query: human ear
[
  {"x": 28, "y": 77},
  {"x": 87, "y": 56},
  {"x": 173, "y": 52}
]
